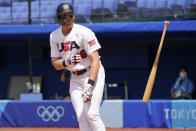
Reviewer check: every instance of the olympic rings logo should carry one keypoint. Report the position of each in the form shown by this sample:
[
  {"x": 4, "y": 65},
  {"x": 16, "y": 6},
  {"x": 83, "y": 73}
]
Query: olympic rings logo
[{"x": 50, "y": 113}]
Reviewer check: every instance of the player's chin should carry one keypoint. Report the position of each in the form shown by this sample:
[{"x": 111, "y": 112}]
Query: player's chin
[{"x": 69, "y": 23}]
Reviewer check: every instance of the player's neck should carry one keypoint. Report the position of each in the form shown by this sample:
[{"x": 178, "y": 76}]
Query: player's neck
[{"x": 67, "y": 29}]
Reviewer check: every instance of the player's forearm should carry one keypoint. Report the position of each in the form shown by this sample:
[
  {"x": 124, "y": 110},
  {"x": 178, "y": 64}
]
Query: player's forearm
[
  {"x": 58, "y": 64},
  {"x": 94, "y": 69}
]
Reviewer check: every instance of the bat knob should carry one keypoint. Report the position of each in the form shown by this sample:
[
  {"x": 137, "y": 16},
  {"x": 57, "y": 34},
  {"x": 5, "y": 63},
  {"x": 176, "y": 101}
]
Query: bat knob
[{"x": 166, "y": 22}]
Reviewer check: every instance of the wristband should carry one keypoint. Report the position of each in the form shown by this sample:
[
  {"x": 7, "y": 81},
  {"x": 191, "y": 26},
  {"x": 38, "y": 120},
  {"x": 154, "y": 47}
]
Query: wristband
[
  {"x": 92, "y": 82},
  {"x": 64, "y": 63}
]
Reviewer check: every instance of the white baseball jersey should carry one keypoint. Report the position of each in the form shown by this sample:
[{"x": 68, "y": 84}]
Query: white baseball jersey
[{"x": 80, "y": 40}]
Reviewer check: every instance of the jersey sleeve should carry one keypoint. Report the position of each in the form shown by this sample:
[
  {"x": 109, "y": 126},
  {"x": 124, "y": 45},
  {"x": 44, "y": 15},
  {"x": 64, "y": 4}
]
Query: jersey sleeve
[
  {"x": 90, "y": 42},
  {"x": 54, "y": 47}
]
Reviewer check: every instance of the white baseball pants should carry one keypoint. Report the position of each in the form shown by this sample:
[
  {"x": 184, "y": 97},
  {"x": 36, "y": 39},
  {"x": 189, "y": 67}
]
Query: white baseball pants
[{"x": 88, "y": 113}]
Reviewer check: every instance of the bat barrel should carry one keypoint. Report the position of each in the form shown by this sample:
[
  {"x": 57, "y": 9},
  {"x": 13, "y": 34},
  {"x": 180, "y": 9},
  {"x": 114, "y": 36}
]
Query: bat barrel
[{"x": 151, "y": 78}]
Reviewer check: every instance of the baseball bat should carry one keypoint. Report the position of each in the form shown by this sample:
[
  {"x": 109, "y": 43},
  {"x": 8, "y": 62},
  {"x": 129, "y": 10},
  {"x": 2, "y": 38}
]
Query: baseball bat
[{"x": 151, "y": 78}]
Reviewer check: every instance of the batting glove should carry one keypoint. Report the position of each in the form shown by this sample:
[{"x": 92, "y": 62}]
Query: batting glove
[
  {"x": 66, "y": 65},
  {"x": 75, "y": 59},
  {"x": 88, "y": 91}
]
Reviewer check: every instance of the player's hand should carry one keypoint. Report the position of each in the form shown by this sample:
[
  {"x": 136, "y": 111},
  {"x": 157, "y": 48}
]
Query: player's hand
[
  {"x": 75, "y": 59},
  {"x": 69, "y": 67},
  {"x": 87, "y": 92},
  {"x": 66, "y": 65}
]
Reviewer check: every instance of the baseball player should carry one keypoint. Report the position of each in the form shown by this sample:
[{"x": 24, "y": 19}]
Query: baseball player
[{"x": 75, "y": 48}]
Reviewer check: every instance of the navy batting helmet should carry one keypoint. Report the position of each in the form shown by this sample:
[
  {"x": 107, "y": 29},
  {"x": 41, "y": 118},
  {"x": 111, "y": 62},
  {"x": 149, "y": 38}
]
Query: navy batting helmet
[
  {"x": 64, "y": 8},
  {"x": 61, "y": 9}
]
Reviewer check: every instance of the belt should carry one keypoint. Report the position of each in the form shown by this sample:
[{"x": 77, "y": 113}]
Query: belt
[{"x": 80, "y": 72}]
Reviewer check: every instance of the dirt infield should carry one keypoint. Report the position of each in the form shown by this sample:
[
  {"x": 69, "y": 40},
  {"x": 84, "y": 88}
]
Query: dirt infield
[{"x": 108, "y": 129}]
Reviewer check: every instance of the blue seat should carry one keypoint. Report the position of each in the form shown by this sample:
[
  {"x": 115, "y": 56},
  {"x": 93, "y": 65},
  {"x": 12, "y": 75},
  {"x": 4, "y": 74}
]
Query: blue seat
[
  {"x": 161, "y": 4},
  {"x": 121, "y": 1},
  {"x": 151, "y": 3},
  {"x": 61, "y": 1},
  {"x": 76, "y": 4},
  {"x": 97, "y": 4},
  {"x": 20, "y": 14},
  {"x": 142, "y": 3},
  {"x": 47, "y": 18},
  {"x": 84, "y": 10},
  {"x": 111, "y": 5},
  {"x": 5, "y": 16},
  {"x": 87, "y": 2},
  {"x": 184, "y": 3},
  {"x": 171, "y": 2}
]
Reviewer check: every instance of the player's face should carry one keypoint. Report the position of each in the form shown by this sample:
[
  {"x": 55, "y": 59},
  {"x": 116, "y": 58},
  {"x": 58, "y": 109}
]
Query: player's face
[{"x": 69, "y": 18}]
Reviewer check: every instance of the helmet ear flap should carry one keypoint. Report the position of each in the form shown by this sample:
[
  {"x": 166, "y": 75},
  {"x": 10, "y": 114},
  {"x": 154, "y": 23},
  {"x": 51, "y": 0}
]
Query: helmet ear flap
[{"x": 61, "y": 21}]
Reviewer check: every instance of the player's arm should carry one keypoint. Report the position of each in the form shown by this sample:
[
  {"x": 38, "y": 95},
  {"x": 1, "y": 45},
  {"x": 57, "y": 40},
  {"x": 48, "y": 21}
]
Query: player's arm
[
  {"x": 57, "y": 63},
  {"x": 95, "y": 64},
  {"x": 91, "y": 47},
  {"x": 94, "y": 68},
  {"x": 60, "y": 64}
]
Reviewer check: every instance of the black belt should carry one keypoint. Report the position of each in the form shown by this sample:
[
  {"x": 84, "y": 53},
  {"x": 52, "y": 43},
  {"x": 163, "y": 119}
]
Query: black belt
[{"x": 80, "y": 72}]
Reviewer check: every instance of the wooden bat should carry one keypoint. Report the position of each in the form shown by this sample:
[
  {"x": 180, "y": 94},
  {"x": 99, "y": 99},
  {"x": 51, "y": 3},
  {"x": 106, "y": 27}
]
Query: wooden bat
[{"x": 151, "y": 78}]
